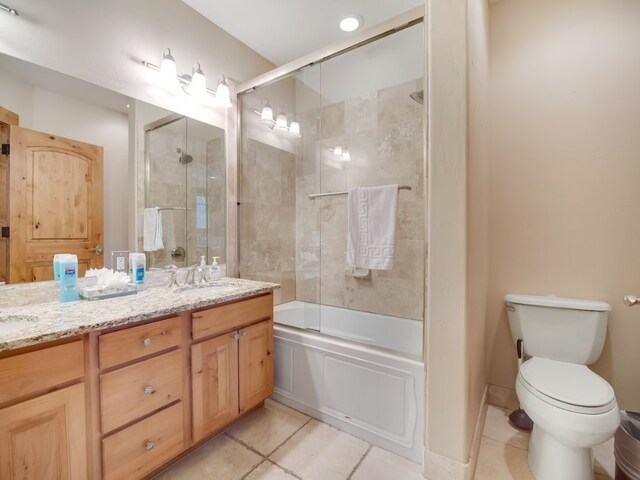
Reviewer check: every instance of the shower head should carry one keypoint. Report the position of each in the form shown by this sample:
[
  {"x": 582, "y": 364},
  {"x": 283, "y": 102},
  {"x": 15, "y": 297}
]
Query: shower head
[
  {"x": 418, "y": 96},
  {"x": 183, "y": 157}
]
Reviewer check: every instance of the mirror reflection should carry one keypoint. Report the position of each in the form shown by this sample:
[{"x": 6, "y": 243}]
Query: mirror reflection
[{"x": 79, "y": 166}]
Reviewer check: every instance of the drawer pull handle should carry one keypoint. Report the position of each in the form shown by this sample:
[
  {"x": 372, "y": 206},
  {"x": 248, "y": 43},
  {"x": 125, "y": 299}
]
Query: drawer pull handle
[
  {"x": 149, "y": 390},
  {"x": 146, "y": 341},
  {"x": 148, "y": 445}
]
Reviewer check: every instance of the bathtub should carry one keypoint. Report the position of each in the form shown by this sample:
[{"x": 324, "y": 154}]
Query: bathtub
[{"x": 363, "y": 374}]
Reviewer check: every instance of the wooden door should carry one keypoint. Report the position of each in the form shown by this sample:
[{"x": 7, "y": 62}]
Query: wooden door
[
  {"x": 214, "y": 370},
  {"x": 256, "y": 364},
  {"x": 45, "y": 438},
  {"x": 55, "y": 203}
]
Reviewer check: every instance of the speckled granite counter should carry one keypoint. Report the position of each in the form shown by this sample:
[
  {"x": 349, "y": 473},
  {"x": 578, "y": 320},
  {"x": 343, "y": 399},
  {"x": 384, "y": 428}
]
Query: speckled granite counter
[{"x": 25, "y": 325}]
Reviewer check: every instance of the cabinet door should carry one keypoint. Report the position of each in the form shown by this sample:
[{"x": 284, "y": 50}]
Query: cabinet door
[
  {"x": 214, "y": 368},
  {"x": 45, "y": 438},
  {"x": 256, "y": 364}
]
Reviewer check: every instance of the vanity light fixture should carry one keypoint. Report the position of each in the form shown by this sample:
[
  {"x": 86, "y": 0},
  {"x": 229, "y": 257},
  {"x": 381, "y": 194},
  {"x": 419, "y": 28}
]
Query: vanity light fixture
[
  {"x": 223, "y": 96},
  {"x": 341, "y": 153},
  {"x": 266, "y": 115},
  {"x": 168, "y": 69},
  {"x": 194, "y": 84},
  {"x": 294, "y": 128},
  {"x": 8, "y": 9},
  {"x": 198, "y": 87},
  {"x": 351, "y": 23},
  {"x": 281, "y": 122}
]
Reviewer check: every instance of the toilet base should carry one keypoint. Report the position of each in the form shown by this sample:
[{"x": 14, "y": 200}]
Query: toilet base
[{"x": 551, "y": 460}]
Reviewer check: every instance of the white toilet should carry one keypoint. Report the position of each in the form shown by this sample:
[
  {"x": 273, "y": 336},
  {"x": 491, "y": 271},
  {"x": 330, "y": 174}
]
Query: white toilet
[{"x": 572, "y": 408}]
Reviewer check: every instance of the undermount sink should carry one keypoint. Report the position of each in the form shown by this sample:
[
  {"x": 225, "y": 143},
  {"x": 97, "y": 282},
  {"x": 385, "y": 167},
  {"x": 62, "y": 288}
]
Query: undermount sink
[
  {"x": 206, "y": 289},
  {"x": 10, "y": 323}
]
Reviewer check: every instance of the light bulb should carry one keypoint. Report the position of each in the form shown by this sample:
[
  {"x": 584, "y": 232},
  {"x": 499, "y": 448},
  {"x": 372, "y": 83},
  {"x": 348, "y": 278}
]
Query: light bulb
[
  {"x": 223, "y": 95},
  {"x": 281, "y": 122},
  {"x": 198, "y": 87},
  {"x": 294, "y": 128},
  {"x": 168, "y": 69},
  {"x": 346, "y": 154}
]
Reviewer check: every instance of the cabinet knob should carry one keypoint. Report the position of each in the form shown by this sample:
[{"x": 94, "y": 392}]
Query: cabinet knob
[
  {"x": 146, "y": 341},
  {"x": 236, "y": 336},
  {"x": 149, "y": 390},
  {"x": 148, "y": 445},
  {"x": 243, "y": 333}
]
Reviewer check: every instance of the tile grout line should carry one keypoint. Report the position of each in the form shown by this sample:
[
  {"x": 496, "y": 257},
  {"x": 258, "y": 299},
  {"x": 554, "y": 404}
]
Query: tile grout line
[
  {"x": 483, "y": 436},
  {"x": 286, "y": 440},
  {"x": 246, "y": 445},
  {"x": 286, "y": 470},
  {"x": 359, "y": 462}
]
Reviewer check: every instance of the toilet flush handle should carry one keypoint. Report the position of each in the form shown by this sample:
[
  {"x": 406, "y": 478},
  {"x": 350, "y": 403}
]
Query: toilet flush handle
[{"x": 631, "y": 300}]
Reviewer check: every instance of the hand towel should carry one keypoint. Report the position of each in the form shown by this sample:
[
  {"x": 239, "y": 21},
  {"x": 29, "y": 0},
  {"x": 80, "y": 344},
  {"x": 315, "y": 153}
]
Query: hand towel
[
  {"x": 371, "y": 225},
  {"x": 152, "y": 233}
]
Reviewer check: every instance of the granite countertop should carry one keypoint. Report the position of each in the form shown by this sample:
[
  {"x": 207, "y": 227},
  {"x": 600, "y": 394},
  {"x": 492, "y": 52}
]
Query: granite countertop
[{"x": 25, "y": 325}]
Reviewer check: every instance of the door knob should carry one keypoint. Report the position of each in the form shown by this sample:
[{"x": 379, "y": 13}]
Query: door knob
[{"x": 97, "y": 249}]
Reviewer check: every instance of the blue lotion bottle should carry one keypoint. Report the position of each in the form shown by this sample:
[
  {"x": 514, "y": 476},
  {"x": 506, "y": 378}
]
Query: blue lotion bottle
[{"x": 68, "y": 268}]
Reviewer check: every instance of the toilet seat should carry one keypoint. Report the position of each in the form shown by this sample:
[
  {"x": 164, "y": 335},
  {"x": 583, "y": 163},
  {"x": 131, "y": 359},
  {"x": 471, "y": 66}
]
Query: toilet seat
[{"x": 568, "y": 386}]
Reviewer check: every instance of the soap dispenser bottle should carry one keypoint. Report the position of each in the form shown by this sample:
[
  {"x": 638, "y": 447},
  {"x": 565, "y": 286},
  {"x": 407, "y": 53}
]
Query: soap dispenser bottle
[
  {"x": 215, "y": 269},
  {"x": 68, "y": 268}
]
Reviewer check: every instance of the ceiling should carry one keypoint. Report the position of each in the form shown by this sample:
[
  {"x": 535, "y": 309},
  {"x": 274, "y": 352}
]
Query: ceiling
[{"x": 284, "y": 30}]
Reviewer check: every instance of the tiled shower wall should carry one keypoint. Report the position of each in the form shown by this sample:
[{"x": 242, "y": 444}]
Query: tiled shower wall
[
  {"x": 267, "y": 217},
  {"x": 383, "y": 131}
]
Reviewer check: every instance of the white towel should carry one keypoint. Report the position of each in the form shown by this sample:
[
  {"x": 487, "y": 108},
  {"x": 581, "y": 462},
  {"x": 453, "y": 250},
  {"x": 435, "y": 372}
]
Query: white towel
[
  {"x": 152, "y": 233},
  {"x": 371, "y": 236}
]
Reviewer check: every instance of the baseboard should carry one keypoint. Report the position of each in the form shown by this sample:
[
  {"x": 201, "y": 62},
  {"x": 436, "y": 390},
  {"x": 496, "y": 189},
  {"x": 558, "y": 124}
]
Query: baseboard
[
  {"x": 439, "y": 467},
  {"x": 503, "y": 397}
]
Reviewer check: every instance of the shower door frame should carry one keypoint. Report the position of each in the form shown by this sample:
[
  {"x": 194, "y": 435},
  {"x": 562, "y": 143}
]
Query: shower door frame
[{"x": 389, "y": 27}]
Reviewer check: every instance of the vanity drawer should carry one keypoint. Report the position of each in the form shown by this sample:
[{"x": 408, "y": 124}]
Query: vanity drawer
[
  {"x": 131, "y": 392},
  {"x": 40, "y": 370},
  {"x": 136, "y": 342},
  {"x": 141, "y": 448},
  {"x": 227, "y": 317}
]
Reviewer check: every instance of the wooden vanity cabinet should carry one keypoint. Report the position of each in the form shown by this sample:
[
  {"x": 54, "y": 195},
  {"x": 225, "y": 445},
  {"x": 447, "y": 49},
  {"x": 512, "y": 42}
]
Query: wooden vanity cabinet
[
  {"x": 233, "y": 372},
  {"x": 42, "y": 414}
]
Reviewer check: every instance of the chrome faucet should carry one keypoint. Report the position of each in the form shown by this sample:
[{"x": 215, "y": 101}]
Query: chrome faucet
[{"x": 191, "y": 274}]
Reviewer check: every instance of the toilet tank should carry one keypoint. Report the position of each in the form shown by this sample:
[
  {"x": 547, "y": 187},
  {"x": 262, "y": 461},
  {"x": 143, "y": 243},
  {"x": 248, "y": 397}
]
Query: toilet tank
[{"x": 563, "y": 329}]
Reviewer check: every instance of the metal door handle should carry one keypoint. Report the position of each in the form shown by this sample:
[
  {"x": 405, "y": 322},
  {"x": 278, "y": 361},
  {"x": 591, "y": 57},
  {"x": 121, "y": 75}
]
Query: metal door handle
[{"x": 97, "y": 249}]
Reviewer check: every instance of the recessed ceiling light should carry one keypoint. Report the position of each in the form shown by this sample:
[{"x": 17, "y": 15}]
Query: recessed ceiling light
[{"x": 351, "y": 23}]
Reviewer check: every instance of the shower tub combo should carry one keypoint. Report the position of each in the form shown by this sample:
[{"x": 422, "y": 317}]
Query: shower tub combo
[{"x": 362, "y": 372}]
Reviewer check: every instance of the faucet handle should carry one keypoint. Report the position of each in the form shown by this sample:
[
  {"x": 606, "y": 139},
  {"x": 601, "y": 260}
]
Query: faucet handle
[{"x": 631, "y": 300}]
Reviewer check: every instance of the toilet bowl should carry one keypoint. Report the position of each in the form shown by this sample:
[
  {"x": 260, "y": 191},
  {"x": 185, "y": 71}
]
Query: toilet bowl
[{"x": 573, "y": 409}]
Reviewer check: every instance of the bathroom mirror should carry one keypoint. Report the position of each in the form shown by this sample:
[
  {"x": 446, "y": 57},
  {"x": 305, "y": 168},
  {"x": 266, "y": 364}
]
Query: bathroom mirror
[{"x": 87, "y": 161}]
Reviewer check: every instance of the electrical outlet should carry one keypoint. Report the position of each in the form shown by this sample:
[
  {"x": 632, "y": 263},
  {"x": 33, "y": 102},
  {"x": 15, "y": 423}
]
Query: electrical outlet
[{"x": 120, "y": 261}]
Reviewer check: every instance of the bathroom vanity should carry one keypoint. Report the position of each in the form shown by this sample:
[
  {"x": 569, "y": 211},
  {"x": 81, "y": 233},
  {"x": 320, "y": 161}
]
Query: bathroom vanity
[{"x": 119, "y": 389}]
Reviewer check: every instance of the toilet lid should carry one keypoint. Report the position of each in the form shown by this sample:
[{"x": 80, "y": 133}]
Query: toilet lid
[{"x": 568, "y": 383}]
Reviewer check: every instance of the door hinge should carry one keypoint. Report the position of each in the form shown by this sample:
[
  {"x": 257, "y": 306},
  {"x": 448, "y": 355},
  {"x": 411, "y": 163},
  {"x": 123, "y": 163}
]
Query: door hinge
[
  {"x": 6, "y": 148},
  {"x": 5, "y": 232}
]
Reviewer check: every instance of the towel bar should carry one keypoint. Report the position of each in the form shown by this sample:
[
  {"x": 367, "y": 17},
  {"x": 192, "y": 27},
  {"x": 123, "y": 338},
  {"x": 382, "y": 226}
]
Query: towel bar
[{"x": 333, "y": 194}]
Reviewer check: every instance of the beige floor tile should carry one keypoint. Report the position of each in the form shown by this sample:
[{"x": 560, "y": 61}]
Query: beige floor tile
[
  {"x": 269, "y": 471},
  {"x": 222, "y": 458},
  {"x": 498, "y": 461},
  {"x": 604, "y": 462},
  {"x": 266, "y": 428},
  {"x": 497, "y": 427},
  {"x": 380, "y": 464},
  {"x": 320, "y": 452}
]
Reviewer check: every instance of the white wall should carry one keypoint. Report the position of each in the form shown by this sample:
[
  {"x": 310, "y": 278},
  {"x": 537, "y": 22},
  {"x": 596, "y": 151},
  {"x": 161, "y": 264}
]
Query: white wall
[
  {"x": 58, "y": 114},
  {"x": 565, "y": 167},
  {"x": 103, "y": 43}
]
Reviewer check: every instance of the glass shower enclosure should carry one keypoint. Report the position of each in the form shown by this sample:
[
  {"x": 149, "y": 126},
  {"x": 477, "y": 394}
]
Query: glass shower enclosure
[
  {"x": 360, "y": 118},
  {"x": 185, "y": 178}
]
